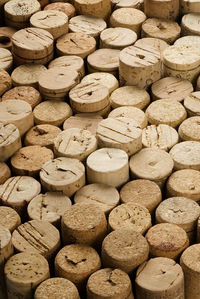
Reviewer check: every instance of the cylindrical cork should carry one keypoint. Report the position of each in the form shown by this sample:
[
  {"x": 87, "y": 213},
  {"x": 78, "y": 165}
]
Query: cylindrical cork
[
  {"x": 84, "y": 223},
  {"x": 190, "y": 24},
  {"x": 189, "y": 129},
  {"x": 6, "y": 81},
  {"x": 167, "y": 9},
  {"x": 6, "y": 59},
  {"x": 66, "y": 8},
  {"x": 9, "y": 218},
  {"x": 124, "y": 249},
  {"x": 191, "y": 268},
  {"x": 109, "y": 284},
  {"x": 23, "y": 273},
  {"x": 104, "y": 79},
  {"x": 97, "y": 8},
  {"x": 56, "y": 288},
  {"x": 5, "y": 172},
  {"x": 160, "y": 277},
  {"x": 167, "y": 240},
  {"x": 191, "y": 102}
]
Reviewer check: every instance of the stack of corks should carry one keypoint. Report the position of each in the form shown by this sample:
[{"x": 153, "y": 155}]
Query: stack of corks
[{"x": 99, "y": 149}]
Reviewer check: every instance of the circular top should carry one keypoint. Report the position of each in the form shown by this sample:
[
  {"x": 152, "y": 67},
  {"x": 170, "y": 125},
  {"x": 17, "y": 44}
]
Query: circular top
[
  {"x": 189, "y": 129},
  {"x": 9, "y": 218},
  {"x": 27, "y": 74},
  {"x": 190, "y": 258},
  {"x": 154, "y": 45},
  {"x": 128, "y": 16},
  {"x": 5, "y": 237},
  {"x": 104, "y": 59},
  {"x": 191, "y": 21},
  {"x": 69, "y": 62},
  {"x": 9, "y": 134},
  {"x": 6, "y": 58},
  {"x": 118, "y": 37},
  {"x": 47, "y": 19},
  {"x": 13, "y": 110},
  {"x": 67, "y": 8},
  {"x": 192, "y": 103},
  {"x": 188, "y": 40},
  {"x": 18, "y": 10}
]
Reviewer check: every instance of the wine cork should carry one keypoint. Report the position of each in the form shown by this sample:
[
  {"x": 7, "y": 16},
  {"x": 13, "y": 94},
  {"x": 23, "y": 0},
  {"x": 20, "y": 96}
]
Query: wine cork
[
  {"x": 90, "y": 25},
  {"x": 109, "y": 283},
  {"x": 191, "y": 270},
  {"x": 162, "y": 136},
  {"x": 17, "y": 191},
  {"x": 18, "y": 113},
  {"x": 130, "y": 215},
  {"x": 70, "y": 62},
  {"x": 171, "y": 88},
  {"x": 98, "y": 8},
  {"x": 127, "y": 3},
  {"x": 166, "y": 30},
  {"x": 151, "y": 164},
  {"x": 139, "y": 67},
  {"x": 6, "y": 82},
  {"x": 77, "y": 43},
  {"x": 187, "y": 6},
  {"x": 108, "y": 166},
  {"x": 191, "y": 103},
  {"x": 63, "y": 174},
  {"x": 106, "y": 60},
  {"x": 23, "y": 273},
  {"x": 7, "y": 250},
  {"x": 27, "y": 75},
  {"x": 117, "y": 38},
  {"x": 42, "y": 135},
  {"x": 83, "y": 121},
  {"x": 54, "y": 21},
  {"x": 5, "y": 172},
  {"x": 6, "y": 59},
  {"x": 9, "y": 218},
  {"x": 128, "y": 17},
  {"x": 66, "y": 8},
  {"x": 189, "y": 24},
  {"x": 131, "y": 96},
  {"x": 162, "y": 9},
  {"x": 103, "y": 78},
  {"x": 56, "y": 288},
  {"x": 77, "y": 262},
  {"x": 89, "y": 97},
  {"x": 159, "y": 277},
  {"x": 56, "y": 82},
  {"x": 10, "y": 141},
  {"x": 6, "y": 34},
  {"x": 167, "y": 240},
  {"x": 51, "y": 112},
  {"x": 124, "y": 249},
  {"x": 122, "y": 132},
  {"x": 189, "y": 129},
  {"x": 104, "y": 196},
  {"x": 166, "y": 111},
  {"x": 193, "y": 40},
  {"x": 142, "y": 192},
  {"x": 75, "y": 143},
  {"x": 48, "y": 207},
  {"x": 37, "y": 236}
]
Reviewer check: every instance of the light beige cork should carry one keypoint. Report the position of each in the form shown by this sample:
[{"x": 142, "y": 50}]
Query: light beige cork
[
  {"x": 66, "y": 8},
  {"x": 9, "y": 218},
  {"x": 6, "y": 81},
  {"x": 5, "y": 172},
  {"x": 190, "y": 129},
  {"x": 192, "y": 103},
  {"x": 190, "y": 24},
  {"x": 97, "y": 8},
  {"x": 6, "y": 59}
]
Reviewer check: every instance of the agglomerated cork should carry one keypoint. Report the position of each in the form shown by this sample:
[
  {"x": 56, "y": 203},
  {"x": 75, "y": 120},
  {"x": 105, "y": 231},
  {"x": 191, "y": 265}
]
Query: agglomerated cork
[
  {"x": 167, "y": 240},
  {"x": 10, "y": 141},
  {"x": 6, "y": 82},
  {"x": 124, "y": 249},
  {"x": 117, "y": 38},
  {"x": 190, "y": 24},
  {"x": 5, "y": 172},
  {"x": 9, "y": 218},
  {"x": 6, "y": 59},
  {"x": 66, "y": 8},
  {"x": 192, "y": 103},
  {"x": 97, "y": 8},
  {"x": 190, "y": 129},
  {"x": 5, "y": 37},
  {"x": 162, "y": 9}
]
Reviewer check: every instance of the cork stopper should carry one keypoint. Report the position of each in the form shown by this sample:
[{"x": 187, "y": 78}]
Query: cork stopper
[
  {"x": 5, "y": 172},
  {"x": 9, "y": 218},
  {"x": 191, "y": 103},
  {"x": 6, "y": 59},
  {"x": 189, "y": 24},
  {"x": 6, "y": 82},
  {"x": 66, "y": 8},
  {"x": 189, "y": 129},
  {"x": 97, "y": 8},
  {"x": 117, "y": 38}
]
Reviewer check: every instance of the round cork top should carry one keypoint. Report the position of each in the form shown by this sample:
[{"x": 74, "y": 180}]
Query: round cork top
[
  {"x": 190, "y": 21},
  {"x": 5, "y": 172},
  {"x": 66, "y": 8},
  {"x": 118, "y": 37},
  {"x": 128, "y": 16},
  {"x": 6, "y": 81},
  {"x": 192, "y": 103},
  {"x": 190, "y": 258},
  {"x": 9, "y": 218},
  {"x": 27, "y": 268},
  {"x": 190, "y": 129},
  {"x": 5, "y": 237},
  {"x": 154, "y": 45},
  {"x": 13, "y": 110},
  {"x": 21, "y": 10},
  {"x": 48, "y": 19},
  {"x": 188, "y": 40},
  {"x": 8, "y": 135},
  {"x": 6, "y": 59},
  {"x": 69, "y": 62},
  {"x": 104, "y": 59}
]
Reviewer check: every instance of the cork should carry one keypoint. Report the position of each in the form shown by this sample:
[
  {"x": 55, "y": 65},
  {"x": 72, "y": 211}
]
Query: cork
[
  {"x": 167, "y": 112},
  {"x": 54, "y": 21},
  {"x": 152, "y": 164},
  {"x": 171, "y": 88},
  {"x": 77, "y": 43},
  {"x": 6, "y": 34},
  {"x": 117, "y": 38},
  {"x": 42, "y": 135},
  {"x": 5, "y": 172},
  {"x": 160, "y": 277},
  {"x": 184, "y": 183},
  {"x": 38, "y": 237},
  {"x": 66, "y": 8},
  {"x": 162, "y": 9},
  {"x": 108, "y": 166},
  {"x": 164, "y": 29},
  {"x": 127, "y": 3},
  {"x": 191, "y": 270},
  {"x": 161, "y": 136},
  {"x": 75, "y": 143},
  {"x": 56, "y": 288},
  {"x": 48, "y": 207},
  {"x": 51, "y": 112},
  {"x": 187, "y": 6},
  {"x": 105, "y": 79},
  {"x": 18, "y": 113},
  {"x": 122, "y": 133},
  {"x": 102, "y": 112},
  {"x": 25, "y": 93},
  {"x": 63, "y": 174},
  {"x": 10, "y": 141},
  {"x": 109, "y": 283},
  {"x": 167, "y": 240},
  {"x": 83, "y": 121},
  {"x": 6, "y": 82},
  {"x": 189, "y": 24},
  {"x": 6, "y": 59},
  {"x": 131, "y": 96},
  {"x": 191, "y": 103},
  {"x": 89, "y": 97},
  {"x": 84, "y": 223},
  {"x": 188, "y": 40},
  {"x": 97, "y": 8},
  {"x": 186, "y": 155},
  {"x": 90, "y": 25},
  {"x": 124, "y": 249},
  {"x": 10, "y": 219},
  {"x": 17, "y": 191},
  {"x": 189, "y": 129},
  {"x": 41, "y": 61},
  {"x": 77, "y": 262},
  {"x": 23, "y": 273},
  {"x": 128, "y": 17},
  {"x": 130, "y": 215},
  {"x": 142, "y": 192},
  {"x": 104, "y": 196},
  {"x": 27, "y": 75}
]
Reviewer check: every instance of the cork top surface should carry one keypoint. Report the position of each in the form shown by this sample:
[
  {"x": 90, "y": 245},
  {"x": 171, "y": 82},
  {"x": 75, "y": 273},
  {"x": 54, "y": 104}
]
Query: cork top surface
[
  {"x": 105, "y": 59},
  {"x": 190, "y": 129},
  {"x": 87, "y": 24},
  {"x": 5, "y": 237},
  {"x": 192, "y": 103},
  {"x": 27, "y": 74},
  {"x": 67, "y": 8},
  {"x": 14, "y": 110},
  {"x": 151, "y": 44},
  {"x": 22, "y": 7},
  {"x": 191, "y": 21},
  {"x": 188, "y": 40},
  {"x": 190, "y": 258},
  {"x": 48, "y": 18},
  {"x": 71, "y": 61},
  {"x": 118, "y": 37},
  {"x": 129, "y": 15},
  {"x": 9, "y": 218},
  {"x": 83, "y": 121},
  {"x": 8, "y": 134}
]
